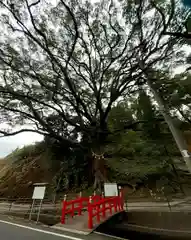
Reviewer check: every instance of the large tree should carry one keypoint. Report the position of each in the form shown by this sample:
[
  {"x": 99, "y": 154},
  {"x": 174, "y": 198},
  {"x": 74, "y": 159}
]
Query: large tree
[
  {"x": 72, "y": 60},
  {"x": 64, "y": 64}
]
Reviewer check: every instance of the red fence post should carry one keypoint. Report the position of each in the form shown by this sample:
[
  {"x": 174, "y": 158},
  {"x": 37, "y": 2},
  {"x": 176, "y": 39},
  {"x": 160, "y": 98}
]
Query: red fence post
[
  {"x": 72, "y": 210},
  {"x": 90, "y": 214},
  {"x": 98, "y": 213},
  {"x": 103, "y": 209},
  {"x": 110, "y": 206},
  {"x": 116, "y": 203}
]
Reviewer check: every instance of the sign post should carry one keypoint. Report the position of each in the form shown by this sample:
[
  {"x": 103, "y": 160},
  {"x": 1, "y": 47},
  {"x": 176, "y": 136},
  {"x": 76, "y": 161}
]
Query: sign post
[
  {"x": 39, "y": 211},
  {"x": 38, "y": 194},
  {"x": 32, "y": 206}
]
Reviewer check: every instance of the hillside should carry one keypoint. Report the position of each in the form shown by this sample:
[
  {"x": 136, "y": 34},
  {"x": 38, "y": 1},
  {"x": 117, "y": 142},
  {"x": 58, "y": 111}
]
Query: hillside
[
  {"x": 21, "y": 169},
  {"x": 36, "y": 163}
]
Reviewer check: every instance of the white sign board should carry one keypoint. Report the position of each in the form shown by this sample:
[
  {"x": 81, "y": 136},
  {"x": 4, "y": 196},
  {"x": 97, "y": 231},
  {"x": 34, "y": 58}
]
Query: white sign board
[
  {"x": 185, "y": 153},
  {"x": 39, "y": 192},
  {"x": 110, "y": 189}
]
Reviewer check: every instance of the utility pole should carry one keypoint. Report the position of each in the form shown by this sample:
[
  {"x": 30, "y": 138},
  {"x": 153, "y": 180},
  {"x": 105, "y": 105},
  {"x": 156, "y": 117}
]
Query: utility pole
[{"x": 178, "y": 137}]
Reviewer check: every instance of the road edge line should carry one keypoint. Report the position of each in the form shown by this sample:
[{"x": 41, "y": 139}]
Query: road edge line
[
  {"x": 110, "y": 236},
  {"x": 41, "y": 231}
]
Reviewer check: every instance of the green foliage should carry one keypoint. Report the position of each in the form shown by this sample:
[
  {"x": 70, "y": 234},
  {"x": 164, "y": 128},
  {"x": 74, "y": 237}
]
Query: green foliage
[
  {"x": 120, "y": 116},
  {"x": 145, "y": 150},
  {"x": 137, "y": 151},
  {"x": 175, "y": 92},
  {"x": 147, "y": 112},
  {"x": 132, "y": 152}
]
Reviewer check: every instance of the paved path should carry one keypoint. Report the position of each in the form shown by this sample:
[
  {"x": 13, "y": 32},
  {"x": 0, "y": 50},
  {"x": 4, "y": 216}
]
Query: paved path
[
  {"x": 15, "y": 229},
  {"x": 15, "y": 232}
]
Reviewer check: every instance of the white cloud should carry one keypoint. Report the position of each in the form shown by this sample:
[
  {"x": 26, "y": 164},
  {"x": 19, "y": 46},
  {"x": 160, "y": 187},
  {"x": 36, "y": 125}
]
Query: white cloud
[{"x": 8, "y": 144}]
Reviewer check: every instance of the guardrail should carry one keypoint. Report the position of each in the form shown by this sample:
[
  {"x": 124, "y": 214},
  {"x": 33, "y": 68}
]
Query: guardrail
[{"x": 21, "y": 207}]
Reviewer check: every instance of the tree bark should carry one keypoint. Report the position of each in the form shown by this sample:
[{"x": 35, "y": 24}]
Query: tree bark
[{"x": 98, "y": 170}]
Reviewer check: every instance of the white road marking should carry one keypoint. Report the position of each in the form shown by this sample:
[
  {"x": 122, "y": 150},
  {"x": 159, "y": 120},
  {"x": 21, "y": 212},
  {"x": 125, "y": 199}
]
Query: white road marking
[
  {"x": 110, "y": 236},
  {"x": 41, "y": 231}
]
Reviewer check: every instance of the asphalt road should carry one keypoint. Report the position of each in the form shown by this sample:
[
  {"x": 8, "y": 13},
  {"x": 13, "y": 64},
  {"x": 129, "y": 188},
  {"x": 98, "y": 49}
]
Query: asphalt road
[
  {"x": 9, "y": 231},
  {"x": 16, "y": 230}
]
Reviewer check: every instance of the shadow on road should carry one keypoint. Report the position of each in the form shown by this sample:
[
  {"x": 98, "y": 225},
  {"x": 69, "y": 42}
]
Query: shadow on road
[{"x": 126, "y": 226}]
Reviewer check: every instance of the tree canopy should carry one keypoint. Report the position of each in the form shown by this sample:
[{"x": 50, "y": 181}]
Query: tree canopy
[{"x": 64, "y": 64}]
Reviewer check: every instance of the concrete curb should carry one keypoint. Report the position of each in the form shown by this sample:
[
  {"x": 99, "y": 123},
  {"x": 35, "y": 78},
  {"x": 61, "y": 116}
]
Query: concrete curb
[{"x": 70, "y": 230}]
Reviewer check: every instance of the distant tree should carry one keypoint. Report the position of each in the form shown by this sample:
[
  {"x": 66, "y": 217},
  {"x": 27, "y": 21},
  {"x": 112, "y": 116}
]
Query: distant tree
[{"x": 151, "y": 118}]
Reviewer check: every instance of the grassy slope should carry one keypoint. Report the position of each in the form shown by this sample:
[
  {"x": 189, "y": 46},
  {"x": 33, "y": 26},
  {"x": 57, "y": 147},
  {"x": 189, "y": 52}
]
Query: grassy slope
[
  {"x": 22, "y": 168},
  {"x": 31, "y": 164}
]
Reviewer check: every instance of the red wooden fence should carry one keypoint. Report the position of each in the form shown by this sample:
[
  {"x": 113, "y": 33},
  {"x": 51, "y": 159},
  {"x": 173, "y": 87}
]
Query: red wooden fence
[
  {"x": 102, "y": 208},
  {"x": 98, "y": 207},
  {"x": 76, "y": 206}
]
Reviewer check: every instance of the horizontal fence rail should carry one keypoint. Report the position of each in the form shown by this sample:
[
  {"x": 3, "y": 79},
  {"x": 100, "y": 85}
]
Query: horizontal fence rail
[
  {"x": 97, "y": 207},
  {"x": 101, "y": 208},
  {"x": 76, "y": 206}
]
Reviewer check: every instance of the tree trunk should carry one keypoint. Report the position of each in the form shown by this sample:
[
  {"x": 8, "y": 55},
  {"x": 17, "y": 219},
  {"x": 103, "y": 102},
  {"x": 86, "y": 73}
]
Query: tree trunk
[
  {"x": 98, "y": 170},
  {"x": 178, "y": 137},
  {"x": 89, "y": 170},
  {"x": 96, "y": 143}
]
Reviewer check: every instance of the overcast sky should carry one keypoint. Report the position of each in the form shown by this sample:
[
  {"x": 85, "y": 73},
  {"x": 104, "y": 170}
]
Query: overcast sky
[{"x": 8, "y": 144}]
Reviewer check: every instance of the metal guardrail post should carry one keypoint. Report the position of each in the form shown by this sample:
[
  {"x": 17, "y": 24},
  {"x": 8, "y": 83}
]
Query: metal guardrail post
[
  {"x": 102, "y": 195},
  {"x": 10, "y": 206},
  {"x": 32, "y": 206},
  {"x": 63, "y": 209}
]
